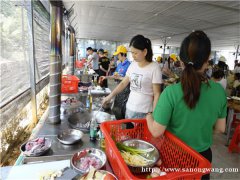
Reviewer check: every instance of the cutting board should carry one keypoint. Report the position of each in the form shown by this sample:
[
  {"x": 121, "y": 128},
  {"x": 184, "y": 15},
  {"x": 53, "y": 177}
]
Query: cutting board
[{"x": 34, "y": 171}]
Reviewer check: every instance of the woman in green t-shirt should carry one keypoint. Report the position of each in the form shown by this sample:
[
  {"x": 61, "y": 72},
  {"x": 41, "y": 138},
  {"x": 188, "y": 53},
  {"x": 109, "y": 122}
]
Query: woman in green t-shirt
[{"x": 195, "y": 107}]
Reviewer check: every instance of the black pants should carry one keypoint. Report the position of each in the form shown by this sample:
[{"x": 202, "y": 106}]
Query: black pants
[
  {"x": 208, "y": 155},
  {"x": 97, "y": 72}
]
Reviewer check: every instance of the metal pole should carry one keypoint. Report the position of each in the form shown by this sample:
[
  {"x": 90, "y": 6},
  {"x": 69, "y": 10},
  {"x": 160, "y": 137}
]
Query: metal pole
[
  {"x": 32, "y": 62},
  {"x": 55, "y": 62},
  {"x": 71, "y": 50},
  {"x": 68, "y": 47},
  {"x": 215, "y": 57},
  {"x": 237, "y": 52},
  {"x": 65, "y": 45},
  {"x": 164, "y": 48}
]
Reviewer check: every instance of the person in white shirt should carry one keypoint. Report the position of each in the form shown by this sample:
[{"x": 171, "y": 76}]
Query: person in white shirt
[
  {"x": 144, "y": 77},
  {"x": 236, "y": 85},
  {"x": 93, "y": 59},
  {"x": 218, "y": 76},
  {"x": 237, "y": 69}
]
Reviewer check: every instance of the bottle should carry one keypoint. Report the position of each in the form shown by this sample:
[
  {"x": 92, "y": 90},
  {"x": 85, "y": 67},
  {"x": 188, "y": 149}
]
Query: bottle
[
  {"x": 93, "y": 129},
  {"x": 95, "y": 80},
  {"x": 102, "y": 139},
  {"x": 85, "y": 69},
  {"x": 89, "y": 101}
]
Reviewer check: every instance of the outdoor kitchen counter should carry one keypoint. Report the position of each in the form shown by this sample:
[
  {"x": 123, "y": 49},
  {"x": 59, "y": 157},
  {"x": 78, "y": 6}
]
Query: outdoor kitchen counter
[{"x": 57, "y": 157}]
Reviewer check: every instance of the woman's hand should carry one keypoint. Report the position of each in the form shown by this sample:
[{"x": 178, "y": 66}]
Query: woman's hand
[
  {"x": 106, "y": 100},
  {"x": 155, "y": 128},
  {"x": 149, "y": 117},
  {"x": 100, "y": 80}
]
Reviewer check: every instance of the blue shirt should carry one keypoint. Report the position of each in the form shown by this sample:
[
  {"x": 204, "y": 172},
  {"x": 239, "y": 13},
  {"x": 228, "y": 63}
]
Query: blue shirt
[{"x": 122, "y": 67}]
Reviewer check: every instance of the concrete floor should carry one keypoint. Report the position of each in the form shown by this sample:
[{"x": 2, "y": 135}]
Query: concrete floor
[{"x": 223, "y": 160}]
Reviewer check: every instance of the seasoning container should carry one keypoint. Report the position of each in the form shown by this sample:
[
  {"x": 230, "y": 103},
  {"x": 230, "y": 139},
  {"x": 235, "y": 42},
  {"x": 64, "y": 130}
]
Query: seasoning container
[
  {"x": 93, "y": 129},
  {"x": 89, "y": 101},
  {"x": 101, "y": 139}
]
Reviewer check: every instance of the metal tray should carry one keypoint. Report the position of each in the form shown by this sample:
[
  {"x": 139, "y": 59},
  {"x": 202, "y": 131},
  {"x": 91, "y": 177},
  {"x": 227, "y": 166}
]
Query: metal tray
[
  {"x": 70, "y": 136},
  {"x": 48, "y": 144}
]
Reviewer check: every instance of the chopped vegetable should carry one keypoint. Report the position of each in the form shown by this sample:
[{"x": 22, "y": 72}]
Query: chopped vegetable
[
  {"x": 133, "y": 150},
  {"x": 134, "y": 159}
]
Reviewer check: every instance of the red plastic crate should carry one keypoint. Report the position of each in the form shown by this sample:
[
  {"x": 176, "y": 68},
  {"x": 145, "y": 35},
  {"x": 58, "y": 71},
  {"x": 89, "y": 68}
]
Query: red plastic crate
[
  {"x": 173, "y": 152},
  {"x": 235, "y": 142},
  {"x": 79, "y": 64},
  {"x": 69, "y": 84}
]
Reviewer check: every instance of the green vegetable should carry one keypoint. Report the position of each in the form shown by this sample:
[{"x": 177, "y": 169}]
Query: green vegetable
[
  {"x": 132, "y": 150},
  {"x": 148, "y": 177}
]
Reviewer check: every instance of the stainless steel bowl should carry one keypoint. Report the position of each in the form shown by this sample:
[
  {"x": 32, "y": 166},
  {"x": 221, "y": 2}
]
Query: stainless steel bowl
[
  {"x": 81, "y": 120},
  {"x": 70, "y": 136},
  {"x": 152, "y": 155},
  {"x": 85, "y": 153},
  {"x": 43, "y": 150}
]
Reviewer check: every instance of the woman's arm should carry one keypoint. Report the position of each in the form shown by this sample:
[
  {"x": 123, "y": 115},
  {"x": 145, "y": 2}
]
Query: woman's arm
[
  {"x": 123, "y": 84},
  {"x": 114, "y": 77},
  {"x": 156, "y": 94},
  {"x": 155, "y": 128},
  {"x": 220, "y": 126},
  {"x": 103, "y": 69}
]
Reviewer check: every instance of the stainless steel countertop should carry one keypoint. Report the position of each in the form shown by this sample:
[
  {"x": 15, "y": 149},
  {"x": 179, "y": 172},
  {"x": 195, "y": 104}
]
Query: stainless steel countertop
[{"x": 58, "y": 149}]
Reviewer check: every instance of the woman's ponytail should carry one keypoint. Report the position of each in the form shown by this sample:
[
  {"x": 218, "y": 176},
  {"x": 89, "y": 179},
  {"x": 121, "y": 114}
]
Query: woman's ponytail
[
  {"x": 191, "y": 83},
  {"x": 194, "y": 52}
]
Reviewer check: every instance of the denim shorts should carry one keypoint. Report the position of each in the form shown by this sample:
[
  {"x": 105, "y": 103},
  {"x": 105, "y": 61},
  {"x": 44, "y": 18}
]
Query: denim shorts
[{"x": 134, "y": 115}]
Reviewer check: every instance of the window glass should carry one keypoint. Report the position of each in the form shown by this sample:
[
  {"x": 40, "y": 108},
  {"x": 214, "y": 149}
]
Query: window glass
[
  {"x": 110, "y": 46},
  {"x": 14, "y": 74},
  {"x": 106, "y": 45},
  {"x": 41, "y": 27}
]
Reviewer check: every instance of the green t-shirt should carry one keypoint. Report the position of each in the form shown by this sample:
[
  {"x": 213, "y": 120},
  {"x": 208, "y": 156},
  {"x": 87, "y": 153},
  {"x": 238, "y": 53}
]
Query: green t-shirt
[{"x": 193, "y": 126}]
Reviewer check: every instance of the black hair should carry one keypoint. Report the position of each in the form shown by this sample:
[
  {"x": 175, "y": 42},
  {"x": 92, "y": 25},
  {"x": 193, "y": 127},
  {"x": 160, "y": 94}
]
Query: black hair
[
  {"x": 141, "y": 43},
  {"x": 168, "y": 60},
  {"x": 237, "y": 76},
  {"x": 222, "y": 65},
  {"x": 236, "y": 64},
  {"x": 218, "y": 74},
  {"x": 123, "y": 54},
  {"x": 89, "y": 48},
  {"x": 101, "y": 51},
  {"x": 194, "y": 52},
  {"x": 210, "y": 62}
]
